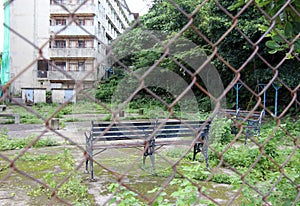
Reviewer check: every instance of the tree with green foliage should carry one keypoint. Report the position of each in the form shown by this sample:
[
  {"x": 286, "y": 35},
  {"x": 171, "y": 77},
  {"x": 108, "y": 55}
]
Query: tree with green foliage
[
  {"x": 207, "y": 31},
  {"x": 286, "y": 29}
]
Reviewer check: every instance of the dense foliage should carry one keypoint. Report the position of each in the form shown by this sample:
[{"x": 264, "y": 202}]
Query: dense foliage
[{"x": 143, "y": 46}]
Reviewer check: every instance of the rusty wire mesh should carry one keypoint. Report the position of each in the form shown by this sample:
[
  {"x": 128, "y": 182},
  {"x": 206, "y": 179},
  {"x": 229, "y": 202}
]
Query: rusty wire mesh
[{"x": 121, "y": 177}]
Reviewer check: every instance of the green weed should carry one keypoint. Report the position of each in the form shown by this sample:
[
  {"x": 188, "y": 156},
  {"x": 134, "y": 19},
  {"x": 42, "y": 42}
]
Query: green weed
[
  {"x": 73, "y": 189},
  {"x": 19, "y": 143}
]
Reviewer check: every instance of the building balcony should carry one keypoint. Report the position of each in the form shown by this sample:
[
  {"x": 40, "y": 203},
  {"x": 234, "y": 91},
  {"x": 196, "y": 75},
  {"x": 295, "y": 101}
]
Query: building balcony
[
  {"x": 73, "y": 30},
  {"x": 72, "y": 52},
  {"x": 84, "y": 9},
  {"x": 72, "y": 75}
]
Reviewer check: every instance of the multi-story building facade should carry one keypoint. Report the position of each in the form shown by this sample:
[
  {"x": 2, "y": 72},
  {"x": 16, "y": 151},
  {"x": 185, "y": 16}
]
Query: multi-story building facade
[{"x": 54, "y": 44}]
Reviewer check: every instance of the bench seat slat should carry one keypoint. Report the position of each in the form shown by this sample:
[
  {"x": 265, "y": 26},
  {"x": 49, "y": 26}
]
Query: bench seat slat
[
  {"x": 141, "y": 135},
  {"x": 115, "y": 138},
  {"x": 121, "y": 125},
  {"x": 142, "y": 143},
  {"x": 121, "y": 133},
  {"x": 136, "y": 124},
  {"x": 117, "y": 128},
  {"x": 138, "y": 130}
]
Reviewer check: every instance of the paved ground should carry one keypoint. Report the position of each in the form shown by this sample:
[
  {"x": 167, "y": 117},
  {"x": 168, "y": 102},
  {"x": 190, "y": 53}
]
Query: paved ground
[{"x": 73, "y": 132}]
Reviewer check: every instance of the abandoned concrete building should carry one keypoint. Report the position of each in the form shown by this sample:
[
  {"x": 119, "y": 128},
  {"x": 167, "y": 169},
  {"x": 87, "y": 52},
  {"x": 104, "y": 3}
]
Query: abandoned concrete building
[{"x": 53, "y": 44}]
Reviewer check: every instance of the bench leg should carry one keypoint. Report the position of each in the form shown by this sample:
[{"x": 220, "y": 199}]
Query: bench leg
[
  {"x": 150, "y": 152},
  {"x": 92, "y": 170},
  {"x": 203, "y": 148},
  {"x": 194, "y": 155},
  {"x": 152, "y": 162},
  {"x": 205, "y": 154},
  {"x": 197, "y": 149},
  {"x": 152, "y": 158},
  {"x": 246, "y": 138},
  {"x": 90, "y": 152},
  {"x": 248, "y": 134},
  {"x": 87, "y": 166}
]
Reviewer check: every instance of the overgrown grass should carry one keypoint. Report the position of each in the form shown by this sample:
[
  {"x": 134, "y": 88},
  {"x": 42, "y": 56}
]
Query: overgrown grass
[
  {"x": 277, "y": 154},
  {"x": 52, "y": 169},
  {"x": 73, "y": 189},
  {"x": 151, "y": 110},
  {"x": 19, "y": 143}
]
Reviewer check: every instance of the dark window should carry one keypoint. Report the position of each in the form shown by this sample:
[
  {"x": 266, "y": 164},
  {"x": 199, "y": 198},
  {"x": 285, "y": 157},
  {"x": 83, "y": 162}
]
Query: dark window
[
  {"x": 81, "y": 66},
  {"x": 42, "y": 68},
  {"x": 81, "y": 22},
  {"x": 60, "y": 44},
  {"x": 60, "y": 22},
  {"x": 81, "y": 44},
  {"x": 60, "y": 65}
]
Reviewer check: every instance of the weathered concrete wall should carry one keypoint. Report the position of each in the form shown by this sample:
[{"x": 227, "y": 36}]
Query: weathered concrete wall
[
  {"x": 63, "y": 95},
  {"x": 58, "y": 95},
  {"x": 29, "y": 18},
  {"x": 40, "y": 95},
  {"x": 34, "y": 95}
]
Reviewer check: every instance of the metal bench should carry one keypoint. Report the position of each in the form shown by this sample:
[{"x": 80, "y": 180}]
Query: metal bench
[
  {"x": 251, "y": 121},
  {"x": 151, "y": 136}
]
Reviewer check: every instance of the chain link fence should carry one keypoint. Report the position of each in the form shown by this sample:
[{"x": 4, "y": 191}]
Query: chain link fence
[{"x": 185, "y": 60}]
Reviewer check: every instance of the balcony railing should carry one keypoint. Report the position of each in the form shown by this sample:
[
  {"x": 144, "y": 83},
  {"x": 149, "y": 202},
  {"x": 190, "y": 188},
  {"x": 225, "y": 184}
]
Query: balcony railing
[
  {"x": 73, "y": 75},
  {"x": 84, "y": 9},
  {"x": 73, "y": 30},
  {"x": 73, "y": 52}
]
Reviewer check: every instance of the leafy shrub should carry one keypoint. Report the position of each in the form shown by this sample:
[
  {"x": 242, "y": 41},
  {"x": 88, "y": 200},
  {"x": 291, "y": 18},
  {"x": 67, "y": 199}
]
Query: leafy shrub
[
  {"x": 48, "y": 97},
  {"x": 106, "y": 90},
  {"x": 204, "y": 104},
  {"x": 220, "y": 130},
  {"x": 66, "y": 110}
]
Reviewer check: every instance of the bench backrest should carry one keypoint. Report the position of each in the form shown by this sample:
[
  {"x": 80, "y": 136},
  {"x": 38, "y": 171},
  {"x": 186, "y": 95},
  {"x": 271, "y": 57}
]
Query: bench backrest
[
  {"x": 107, "y": 131},
  {"x": 243, "y": 115},
  {"x": 249, "y": 116}
]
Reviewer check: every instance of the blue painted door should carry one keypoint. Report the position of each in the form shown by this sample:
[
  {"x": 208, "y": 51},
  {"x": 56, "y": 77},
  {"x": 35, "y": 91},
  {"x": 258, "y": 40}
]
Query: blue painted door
[
  {"x": 68, "y": 95},
  {"x": 29, "y": 98}
]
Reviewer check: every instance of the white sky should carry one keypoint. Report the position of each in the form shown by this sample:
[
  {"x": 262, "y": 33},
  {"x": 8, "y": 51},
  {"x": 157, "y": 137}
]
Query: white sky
[{"x": 137, "y": 6}]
